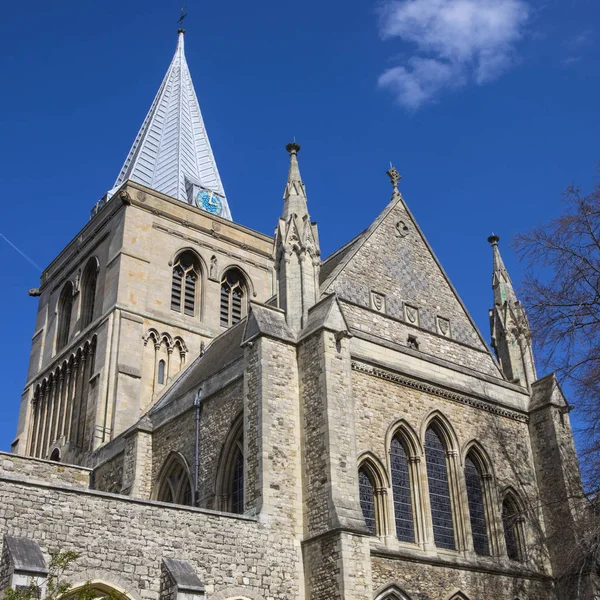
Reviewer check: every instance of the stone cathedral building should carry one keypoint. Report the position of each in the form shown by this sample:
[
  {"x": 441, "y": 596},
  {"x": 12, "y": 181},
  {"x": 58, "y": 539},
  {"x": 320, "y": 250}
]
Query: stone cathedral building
[{"x": 213, "y": 413}]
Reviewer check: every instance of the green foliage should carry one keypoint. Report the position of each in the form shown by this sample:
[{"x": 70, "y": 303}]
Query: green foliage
[{"x": 56, "y": 588}]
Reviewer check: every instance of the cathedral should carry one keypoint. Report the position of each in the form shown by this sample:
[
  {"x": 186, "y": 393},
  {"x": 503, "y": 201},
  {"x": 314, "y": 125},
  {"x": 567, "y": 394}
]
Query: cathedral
[{"x": 211, "y": 413}]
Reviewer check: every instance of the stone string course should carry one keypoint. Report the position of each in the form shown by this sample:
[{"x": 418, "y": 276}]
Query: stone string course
[{"x": 437, "y": 391}]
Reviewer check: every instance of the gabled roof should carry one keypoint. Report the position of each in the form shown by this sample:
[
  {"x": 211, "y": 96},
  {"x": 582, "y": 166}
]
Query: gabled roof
[
  {"x": 171, "y": 153},
  {"x": 393, "y": 259}
]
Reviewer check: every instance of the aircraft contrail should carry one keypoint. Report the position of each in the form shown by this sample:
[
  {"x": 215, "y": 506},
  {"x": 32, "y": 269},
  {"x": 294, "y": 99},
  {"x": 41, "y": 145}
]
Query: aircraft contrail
[{"x": 20, "y": 252}]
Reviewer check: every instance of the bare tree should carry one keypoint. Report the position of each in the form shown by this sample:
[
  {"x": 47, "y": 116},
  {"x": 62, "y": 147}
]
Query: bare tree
[{"x": 561, "y": 292}]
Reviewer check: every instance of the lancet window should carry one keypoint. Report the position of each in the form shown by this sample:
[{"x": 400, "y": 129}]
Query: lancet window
[
  {"x": 512, "y": 522},
  {"x": 184, "y": 286},
  {"x": 88, "y": 292},
  {"x": 230, "y": 480},
  {"x": 65, "y": 308},
  {"x": 401, "y": 488},
  {"x": 439, "y": 490},
  {"x": 233, "y": 297},
  {"x": 476, "y": 501},
  {"x": 367, "y": 500},
  {"x": 174, "y": 483}
]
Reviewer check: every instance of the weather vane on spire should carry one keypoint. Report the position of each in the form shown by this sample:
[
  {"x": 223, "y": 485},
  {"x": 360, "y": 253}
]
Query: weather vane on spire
[{"x": 183, "y": 16}]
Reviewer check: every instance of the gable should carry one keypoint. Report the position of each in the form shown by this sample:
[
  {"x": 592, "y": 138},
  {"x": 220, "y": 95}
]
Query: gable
[{"x": 392, "y": 269}]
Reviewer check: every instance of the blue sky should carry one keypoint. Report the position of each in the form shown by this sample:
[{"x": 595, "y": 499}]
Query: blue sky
[{"x": 489, "y": 109}]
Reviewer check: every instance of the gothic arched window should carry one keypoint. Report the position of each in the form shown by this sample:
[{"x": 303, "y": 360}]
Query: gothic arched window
[
  {"x": 401, "y": 488},
  {"x": 160, "y": 379},
  {"x": 233, "y": 295},
  {"x": 88, "y": 292},
  {"x": 184, "y": 287},
  {"x": 439, "y": 490},
  {"x": 230, "y": 477},
  {"x": 512, "y": 522},
  {"x": 475, "y": 497},
  {"x": 174, "y": 483},
  {"x": 367, "y": 500},
  {"x": 65, "y": 308}
]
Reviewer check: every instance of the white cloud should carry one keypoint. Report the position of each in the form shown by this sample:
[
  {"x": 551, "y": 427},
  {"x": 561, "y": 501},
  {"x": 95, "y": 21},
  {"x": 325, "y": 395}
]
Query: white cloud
[{"x": 457, "y": 41}]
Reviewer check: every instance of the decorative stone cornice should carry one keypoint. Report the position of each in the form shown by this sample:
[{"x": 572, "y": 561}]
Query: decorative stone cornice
[{"x": 435, "y": 390}]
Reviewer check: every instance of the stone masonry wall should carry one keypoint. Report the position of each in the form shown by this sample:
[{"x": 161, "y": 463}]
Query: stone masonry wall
[
  {"x": 219, "y": 412},
  {"x": 122, "y": 541},
  {"x": 385, "y": 328},
  {"x": 429, "y": 582},
  {"x": 381, "y": 404},
  {"x": 44, "y": 470}
]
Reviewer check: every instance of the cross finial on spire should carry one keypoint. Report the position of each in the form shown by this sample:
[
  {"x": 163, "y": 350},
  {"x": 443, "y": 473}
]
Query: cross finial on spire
[
  {"x": 181, "y": 19},
  {"x": 394, "y": 176}
]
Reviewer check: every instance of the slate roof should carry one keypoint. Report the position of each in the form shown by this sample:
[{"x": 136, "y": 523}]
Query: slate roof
[{"x": 171, "y": 152}]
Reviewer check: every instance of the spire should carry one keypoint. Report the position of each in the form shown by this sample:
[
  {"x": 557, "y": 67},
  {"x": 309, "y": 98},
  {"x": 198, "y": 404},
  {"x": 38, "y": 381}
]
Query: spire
[
  {"x": 511, "y": 334},
  {"x": 171, "y": 153},
  {"x": 294, "y": 195},
  {"x": 501, "y": 282},
  {"x": 296, "y": 250}
]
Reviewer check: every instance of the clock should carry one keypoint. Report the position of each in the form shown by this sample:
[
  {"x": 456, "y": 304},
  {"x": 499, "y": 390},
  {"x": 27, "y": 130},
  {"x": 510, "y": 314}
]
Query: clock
[{"x": 209, "y": 202}]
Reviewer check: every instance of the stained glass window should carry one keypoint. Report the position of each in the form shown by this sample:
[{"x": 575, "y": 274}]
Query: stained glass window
[
  {"x": 439, "y": 491},
  {"x": 367, "y": 500},
  {"x": 510, "y": 521},
  {"x": 237, "y": 488},
  {"x": 401, "y": 491},
  {"x": 476, "y": 507}
]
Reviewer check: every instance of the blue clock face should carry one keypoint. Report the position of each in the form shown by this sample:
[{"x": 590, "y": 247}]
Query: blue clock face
[{"x": 209, "y": 202}]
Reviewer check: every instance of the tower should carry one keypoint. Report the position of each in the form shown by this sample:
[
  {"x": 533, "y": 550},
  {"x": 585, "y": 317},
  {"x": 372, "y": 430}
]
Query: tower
[
  {"x": 511, "y": 335},
  {"x": 157, "y": 273},
  {"x": 296, "y": 250}
]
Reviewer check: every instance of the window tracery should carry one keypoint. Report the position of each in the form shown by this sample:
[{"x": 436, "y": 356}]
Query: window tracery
[
  {"x": 233, "y": 297},
  {"x": 439, "y": 490},
  {"x": 174, "y": 483},
  {"x": 513, "y": 524},
  {"x": 401, "y": 489},
  {"x": 476, "y": 501},
  {"x": 367, "y": 500},
  {"x": 184, "y": 292}
]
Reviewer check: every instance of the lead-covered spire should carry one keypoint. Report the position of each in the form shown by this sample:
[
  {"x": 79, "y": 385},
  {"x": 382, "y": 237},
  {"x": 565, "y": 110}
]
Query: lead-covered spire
[
  {"x": 511, "y": 334},
  {"x": 171, "y": 153}
]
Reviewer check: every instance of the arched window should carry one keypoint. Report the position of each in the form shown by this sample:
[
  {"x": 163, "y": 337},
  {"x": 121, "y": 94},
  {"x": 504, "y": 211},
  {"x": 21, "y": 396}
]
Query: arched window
[
  {"x": 475, "y": 497},
  {"x": 161, "y": 372},
  {"x": 88, "y": 292},
  {"x": 65, "y": 308},
  {"x": 512, "y": 522},
  {"x": 174, "y": 482},
  {"x": 233, "y": 294},
  {"x": 230, "y": 477},
  {"x": 439, "y": 490},
  {"x": 55, "y": 456},
  {"x": 184, "y": 292},
  {"x": 393, "y": 592},
  {"x": 401, "y": 488},
  {"x": 367, "y": 499}
]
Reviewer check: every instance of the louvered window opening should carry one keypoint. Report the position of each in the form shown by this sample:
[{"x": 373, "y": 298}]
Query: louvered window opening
[
  {"x": 476, "y": 508},
  {"x": 510, "y": 518},
  {"x": 237, "y": 489},
  {"x": 403, "y": 511},
  {"x": 232, "y": 297},
  {"x": 367, "y": 501},
  {"x": 184, "y": 276},
  {"x": 89, "y": 294},
  {"x": 439, "y": 491},
  {"x": 64, "y": 316}
]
